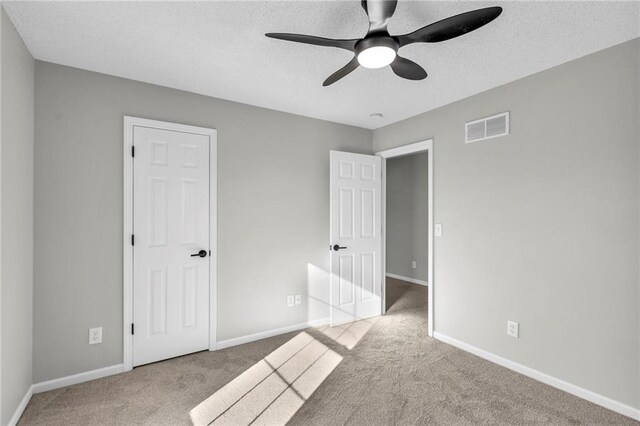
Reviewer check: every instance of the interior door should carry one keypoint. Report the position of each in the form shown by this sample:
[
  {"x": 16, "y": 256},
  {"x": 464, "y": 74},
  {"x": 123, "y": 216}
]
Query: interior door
[
  {"x": 356, "y": 240},
  {"x": 171, "y": 247}
]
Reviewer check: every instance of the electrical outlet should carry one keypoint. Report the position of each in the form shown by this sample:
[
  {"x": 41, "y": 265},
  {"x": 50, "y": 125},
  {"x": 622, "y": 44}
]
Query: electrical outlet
[
  {"x": 95, "y": 335},
  {"x": 513, "y": 329},
  {"x": 298, "y": 299},
  {"x": 438, "y": 230},
  {"x": 290, "y": 301},
  {"x": 414, "y": 265}
]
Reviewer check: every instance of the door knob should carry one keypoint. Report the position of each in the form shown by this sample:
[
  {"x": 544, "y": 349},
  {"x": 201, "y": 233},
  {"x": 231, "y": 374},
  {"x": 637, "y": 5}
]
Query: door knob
[
  {"x": 201, "y": 253},
  {"x": 336, "y": 247}
]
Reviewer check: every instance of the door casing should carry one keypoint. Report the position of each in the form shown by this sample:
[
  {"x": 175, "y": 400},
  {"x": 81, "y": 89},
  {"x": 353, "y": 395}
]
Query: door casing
[
  {"x": 129, "y": 123},
  {"x": 413, "y": 148}
]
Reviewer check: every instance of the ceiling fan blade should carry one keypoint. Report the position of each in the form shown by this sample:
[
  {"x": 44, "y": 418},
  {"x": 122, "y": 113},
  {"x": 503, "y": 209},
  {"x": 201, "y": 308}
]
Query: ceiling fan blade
[
  {"x": 342, "y": 72},
  {"x": 451, "y": 27},
  {"x": 318, "y": 41},
  {"x": 379, "y": 13},
  {"x": 405, "y": 68}
]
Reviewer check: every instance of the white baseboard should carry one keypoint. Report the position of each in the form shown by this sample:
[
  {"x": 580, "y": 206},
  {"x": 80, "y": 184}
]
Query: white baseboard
[
  {"x": 590, "y": 396},
  {"x": 411, "y": 280},
  {"x": 77, "y": 378},
  {"x": 21, "y": 407},
  {"x": 319, "y": 322},
  {"x": 222, "y": 344},
  {"x": 119, "y": 368}
]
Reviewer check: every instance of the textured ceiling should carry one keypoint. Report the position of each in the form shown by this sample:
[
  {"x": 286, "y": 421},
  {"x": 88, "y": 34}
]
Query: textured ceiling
[{"x": 219, "y": 49}]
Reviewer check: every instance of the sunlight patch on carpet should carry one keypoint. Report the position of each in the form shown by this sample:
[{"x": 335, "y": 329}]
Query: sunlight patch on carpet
[
  {"x": 348, "y": 335},
  {"x": 272, "y": 390}
]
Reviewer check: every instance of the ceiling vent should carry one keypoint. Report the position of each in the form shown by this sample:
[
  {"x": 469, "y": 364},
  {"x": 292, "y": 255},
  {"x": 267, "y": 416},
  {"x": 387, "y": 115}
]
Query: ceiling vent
[{"x": 487, "y": 128}]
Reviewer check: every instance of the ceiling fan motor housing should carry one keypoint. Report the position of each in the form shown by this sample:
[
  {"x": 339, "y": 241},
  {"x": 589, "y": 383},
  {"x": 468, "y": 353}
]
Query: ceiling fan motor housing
[{"x": 376, "y": 41}]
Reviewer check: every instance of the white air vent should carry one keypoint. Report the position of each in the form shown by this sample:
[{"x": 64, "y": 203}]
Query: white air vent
[{"x": 486, "y": 128}]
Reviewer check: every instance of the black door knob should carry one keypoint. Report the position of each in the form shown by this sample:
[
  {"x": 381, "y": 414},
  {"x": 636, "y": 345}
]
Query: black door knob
[
  {"x": 336, "y": 247},
  {"x": 201, "y": 253}
]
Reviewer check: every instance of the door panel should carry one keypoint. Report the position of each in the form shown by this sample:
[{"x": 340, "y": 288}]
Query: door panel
[
  {"x": 367, "y": 261},
  {"x": 171, "y": 222},
  {"x": 356, "y": 270}
]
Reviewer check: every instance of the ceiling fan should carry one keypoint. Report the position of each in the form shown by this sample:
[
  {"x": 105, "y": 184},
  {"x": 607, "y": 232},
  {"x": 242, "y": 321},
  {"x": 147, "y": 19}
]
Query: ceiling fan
[{"x": 378, "y": 48}]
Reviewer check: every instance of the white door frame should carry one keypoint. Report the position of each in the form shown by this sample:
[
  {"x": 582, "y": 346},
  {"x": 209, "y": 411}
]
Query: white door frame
[
  {"x": 414, "y": 148},
  {"x": 129, "y": 123}
]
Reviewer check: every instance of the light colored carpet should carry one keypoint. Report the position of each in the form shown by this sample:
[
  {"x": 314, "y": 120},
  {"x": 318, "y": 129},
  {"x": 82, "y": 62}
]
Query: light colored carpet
[{"x": 388, "y": 372}]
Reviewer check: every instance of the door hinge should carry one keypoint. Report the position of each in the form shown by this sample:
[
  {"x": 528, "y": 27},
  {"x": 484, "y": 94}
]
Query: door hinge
[
  {"x": 132, "y": 329},
  {"x": 133, "y": 151},
  {"x": 133, "y": 239}
]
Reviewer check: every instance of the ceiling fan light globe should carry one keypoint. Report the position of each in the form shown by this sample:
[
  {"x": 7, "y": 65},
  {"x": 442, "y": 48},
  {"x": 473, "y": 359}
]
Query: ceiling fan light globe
[{"x": 376, "y": 57}]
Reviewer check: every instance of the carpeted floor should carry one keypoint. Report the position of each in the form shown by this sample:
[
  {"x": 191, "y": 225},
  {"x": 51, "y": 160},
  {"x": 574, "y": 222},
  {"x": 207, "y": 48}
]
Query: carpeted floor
[{"x": 391, "y": 373}]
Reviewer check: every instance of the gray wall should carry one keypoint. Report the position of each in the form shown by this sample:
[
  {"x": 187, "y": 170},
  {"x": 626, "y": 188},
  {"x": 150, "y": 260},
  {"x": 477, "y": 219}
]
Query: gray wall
[
  {"x": 407, "y": 216},
  {"x": 273, "y": 216},
  {"x": 16, "y": 179},
  {"x": 542, "y": 226}
]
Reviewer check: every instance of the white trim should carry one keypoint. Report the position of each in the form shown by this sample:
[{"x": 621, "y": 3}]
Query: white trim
[
  {"x": 77, "y": 378},
  {"x": 319, "y": 322},
  {"x": 413, "y": 148},
  {"x": 213, "y": 241},
  {"x": 120, "y": 368},
  {"x": 129, "y": 123},
  {"x": 270, "y": 333},
  {"x": 590, "y": 396},
  {"x": 407, "y": 279},
  {"x": 127, "y": 270},
  {"x": 383, "y": 219},
  {"x": 21, "y": 407}
]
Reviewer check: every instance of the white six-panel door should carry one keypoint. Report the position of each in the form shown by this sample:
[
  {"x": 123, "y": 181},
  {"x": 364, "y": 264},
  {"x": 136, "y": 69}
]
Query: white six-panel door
[
  {"x": 355, "y": 227},
  {"x": 170, "y": 223}
]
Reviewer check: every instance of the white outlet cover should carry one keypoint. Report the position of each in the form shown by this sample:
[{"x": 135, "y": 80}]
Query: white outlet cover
[
  {"x": 298, "y": 299},
  {"x": 413, "y": 264},
  {"x": 95, "y": 335},
  {"x": 438, "y": 230},
  {"x": 290, "y": 301},
  {"x": 513, "y": 329}
]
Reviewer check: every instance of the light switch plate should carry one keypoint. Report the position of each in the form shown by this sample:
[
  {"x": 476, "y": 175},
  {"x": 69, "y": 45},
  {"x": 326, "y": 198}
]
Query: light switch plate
[
  {"x": 290, "y": 301},
  {"x": 438, "y": 230}
]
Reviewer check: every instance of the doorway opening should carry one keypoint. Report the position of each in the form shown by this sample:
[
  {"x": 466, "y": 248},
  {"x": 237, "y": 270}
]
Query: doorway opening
[{"x": 407, "y": 208}]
